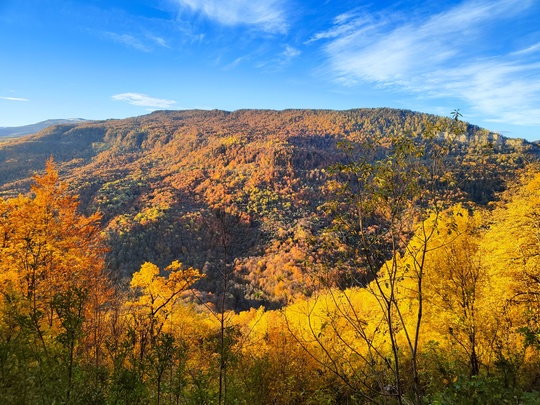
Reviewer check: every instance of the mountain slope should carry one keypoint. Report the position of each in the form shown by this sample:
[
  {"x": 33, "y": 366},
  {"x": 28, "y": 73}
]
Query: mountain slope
[
  {"x": 232, "y": 193},
  {"x": 33, "y": 128}
]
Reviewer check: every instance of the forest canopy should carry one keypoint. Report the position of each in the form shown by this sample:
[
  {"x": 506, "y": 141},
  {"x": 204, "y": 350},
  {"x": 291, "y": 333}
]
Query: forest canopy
[
  {"x": 165, "y": 182},
  {"x": 395, "y": 268}
]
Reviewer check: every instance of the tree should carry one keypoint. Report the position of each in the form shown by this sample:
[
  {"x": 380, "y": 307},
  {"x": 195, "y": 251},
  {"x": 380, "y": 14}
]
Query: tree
[
  {"x": 48, "y": 250},
  {"x": 155, "y": 300},
  {"x": 381, "y": 200},
  {"x": 511, "y": 248},
  {"x": 458, "y": 284}
]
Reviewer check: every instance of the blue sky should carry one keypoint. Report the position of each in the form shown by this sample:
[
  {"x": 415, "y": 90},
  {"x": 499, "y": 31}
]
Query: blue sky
[{"x": 99, "y": 59}]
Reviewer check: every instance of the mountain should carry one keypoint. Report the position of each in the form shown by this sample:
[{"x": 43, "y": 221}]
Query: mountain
[
  {"x": 12, "y": 132},
  {"x": 235, "y": 193}
]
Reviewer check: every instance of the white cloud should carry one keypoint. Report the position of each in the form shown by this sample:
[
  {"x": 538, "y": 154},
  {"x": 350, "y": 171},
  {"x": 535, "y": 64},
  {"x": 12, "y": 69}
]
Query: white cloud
[
  {"x": 508, "y": 91},
  {"x": 144, "y": 42},
  {"x": 14, "y": 98},
  {"x": 290, "y": 52},
  {"x": 285, "y": 57},
  {"x": 528, "y": 50},
  {"x": 442, "y": 55},
  {"x": 269, "y": 15},
  {"x": 158, "y": 40},
  {"x": 127, "y": 40},
  {"x": 344, "y": 24},
  {"x": 144, "y": 100},
  {"x": 234, "y": 64}
]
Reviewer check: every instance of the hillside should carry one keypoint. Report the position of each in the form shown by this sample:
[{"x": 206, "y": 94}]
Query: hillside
[
  {"x": 13, "y": 132},
  {"x": 233, "y": 193}
]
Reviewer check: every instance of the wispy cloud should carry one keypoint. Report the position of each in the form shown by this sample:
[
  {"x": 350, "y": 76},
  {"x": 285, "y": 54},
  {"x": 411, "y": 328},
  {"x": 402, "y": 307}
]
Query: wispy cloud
[
  {"x": 284, "y": 58},
  {"x": 449, "y": 54},
  {"x": 268, "y": 15},
  {"x": 144, "y": 100},
  {"x": 14, "y": 98},
  {"x": 158, "y": 40},
  {"x": 143, "y": 42},
  {"x": 280, "y": 60},
  {"x": 528, "y": 50},
  {"x": 235, "y": 63},
  {"x": 127, "y": 40},
  {"x": 290, "y": 53},
  {"x": 508, "y": 91}
]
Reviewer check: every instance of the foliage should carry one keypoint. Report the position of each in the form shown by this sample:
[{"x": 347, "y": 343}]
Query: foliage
[
  {"x": 424, "y": 300},
  {"x": 156, "y": 178},
  {"x": 53, "y": 289}
]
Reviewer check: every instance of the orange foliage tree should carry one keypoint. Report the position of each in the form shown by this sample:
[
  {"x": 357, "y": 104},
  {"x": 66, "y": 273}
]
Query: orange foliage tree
[{"x": 51, "y": 272}]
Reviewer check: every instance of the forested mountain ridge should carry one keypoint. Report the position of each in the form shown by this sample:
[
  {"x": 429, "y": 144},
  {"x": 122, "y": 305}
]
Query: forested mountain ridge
[
  {"x": 33, "y": 128},
  {"x": 238, "y": 190}
]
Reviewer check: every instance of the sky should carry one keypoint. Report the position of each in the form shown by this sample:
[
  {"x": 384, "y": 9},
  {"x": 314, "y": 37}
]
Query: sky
[{"x": 101, "y": 59}]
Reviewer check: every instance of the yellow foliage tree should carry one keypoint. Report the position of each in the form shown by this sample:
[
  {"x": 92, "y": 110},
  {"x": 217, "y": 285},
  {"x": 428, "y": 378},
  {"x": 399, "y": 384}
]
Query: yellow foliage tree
[
  {"x": 511, "y": 249},
  {"x": 156, "y": 297},
  {"x": 48, "y": 247},
  {"x": 456, "y": 287}
]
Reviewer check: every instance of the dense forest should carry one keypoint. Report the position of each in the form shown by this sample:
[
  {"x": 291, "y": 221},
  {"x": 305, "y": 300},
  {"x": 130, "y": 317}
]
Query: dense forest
[
  {"x": 176, "y": 185},
  {"x": 370, "y": 256}
]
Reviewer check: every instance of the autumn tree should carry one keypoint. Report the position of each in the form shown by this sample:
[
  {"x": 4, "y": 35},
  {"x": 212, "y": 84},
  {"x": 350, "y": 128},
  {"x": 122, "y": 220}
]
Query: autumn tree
[
  {"x": 511, "y": 251},
  {"x": 48, "y": 252},
  {"x": 156, "y": 299},
  {"x": 381, "y": 199},
  {"x": 458, "y": 285}
]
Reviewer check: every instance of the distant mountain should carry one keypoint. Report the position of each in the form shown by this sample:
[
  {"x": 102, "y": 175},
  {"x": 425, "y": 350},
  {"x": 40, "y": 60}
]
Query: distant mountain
[
  {"x": 240, "y": 191},
  {"x": 13, "y": 132}
]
